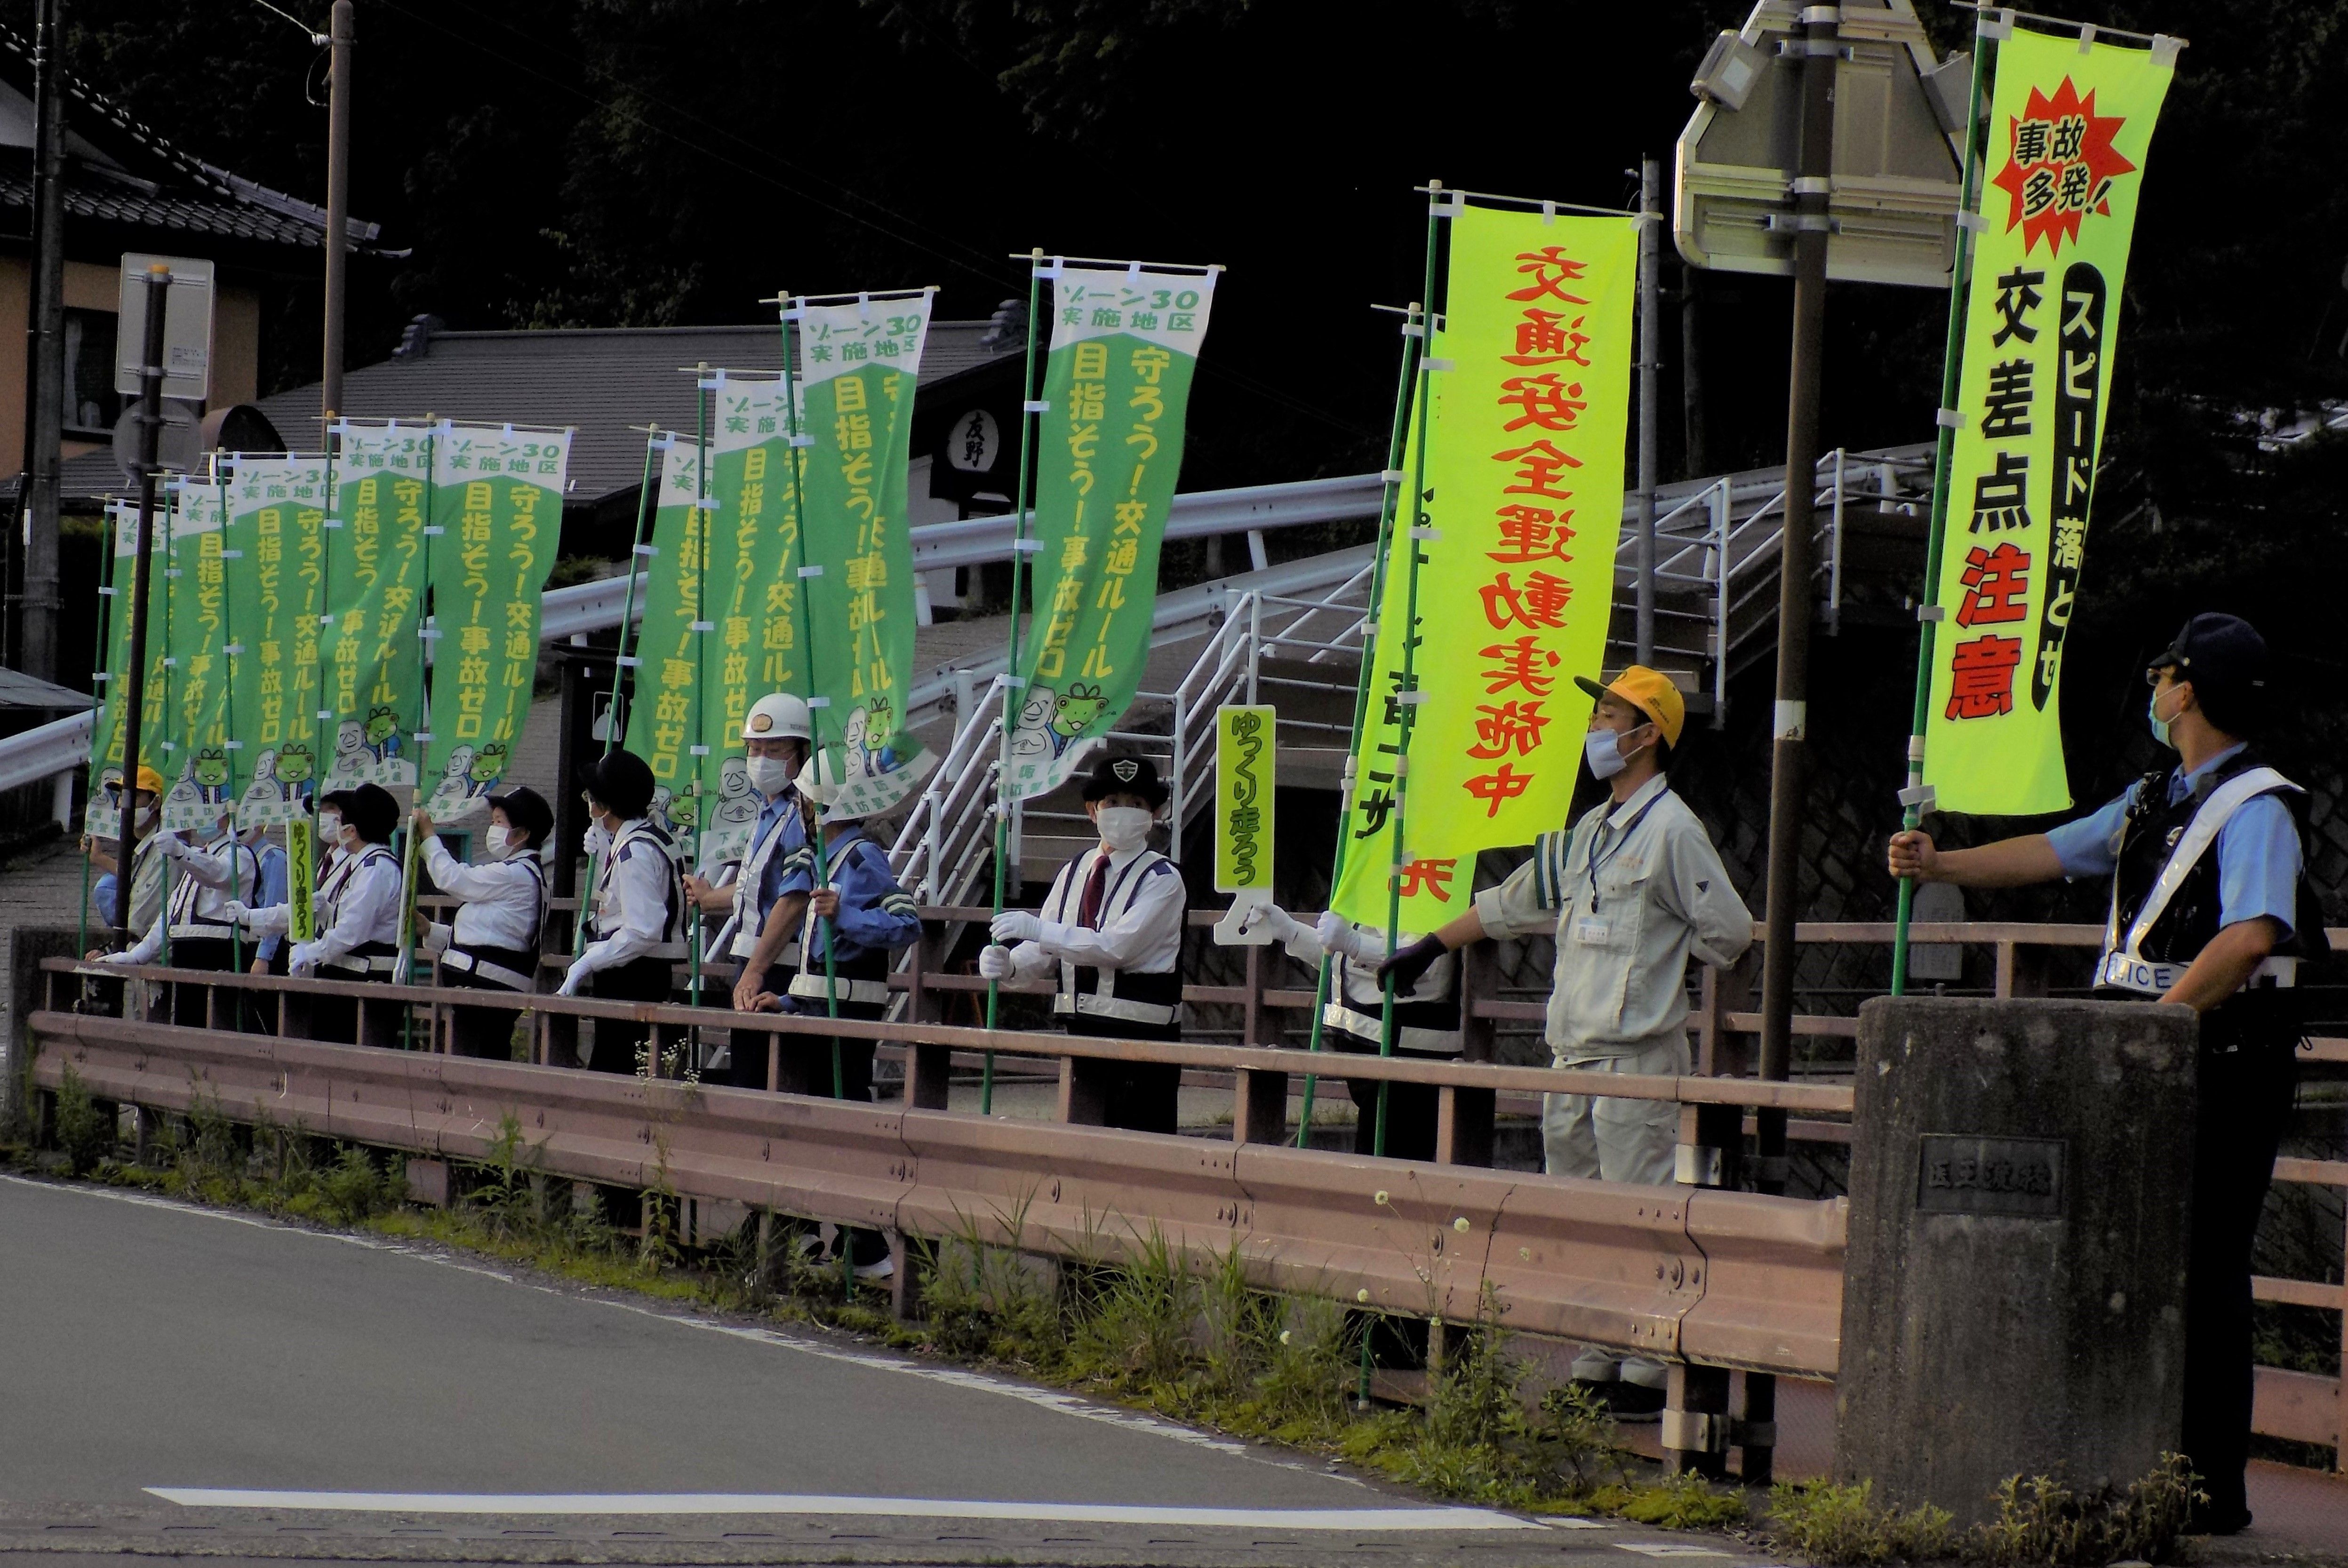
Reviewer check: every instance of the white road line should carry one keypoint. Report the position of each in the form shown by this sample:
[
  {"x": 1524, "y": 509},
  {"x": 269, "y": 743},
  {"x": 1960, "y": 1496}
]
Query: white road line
[
  {"x": 1671, "y": 1549},
  {"x": 690, "y": 1502}
]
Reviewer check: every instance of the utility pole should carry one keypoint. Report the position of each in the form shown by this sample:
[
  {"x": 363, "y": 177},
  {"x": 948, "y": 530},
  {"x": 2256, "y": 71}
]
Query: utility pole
[
  {"x": 134, "y": 695},
  {"x": 338, "y": 212},
  {"x": 46, "y": 361},
  {"x": 1651, "y": 345}
]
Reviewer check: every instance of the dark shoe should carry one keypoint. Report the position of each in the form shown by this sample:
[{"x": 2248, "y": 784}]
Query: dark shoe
[
  {"x": 2218, "y": 1522},
  {"x": 1625, "y": 1401}
]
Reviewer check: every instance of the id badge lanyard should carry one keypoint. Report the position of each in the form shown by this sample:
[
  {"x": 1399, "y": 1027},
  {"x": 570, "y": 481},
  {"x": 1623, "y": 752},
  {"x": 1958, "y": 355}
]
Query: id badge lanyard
[{"x": 1591, "y": 929}]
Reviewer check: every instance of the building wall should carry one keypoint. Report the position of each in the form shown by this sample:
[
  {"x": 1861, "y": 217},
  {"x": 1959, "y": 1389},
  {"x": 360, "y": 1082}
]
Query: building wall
[{"x": 236, "y": 341}]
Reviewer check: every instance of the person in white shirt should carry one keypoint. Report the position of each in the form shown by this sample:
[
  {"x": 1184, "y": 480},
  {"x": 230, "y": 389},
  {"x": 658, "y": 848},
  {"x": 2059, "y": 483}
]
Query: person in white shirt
[
  {"x": 357, "y": 905},
  {"x": 640, "y": 913},
  {"x": 491, "y": 942},
  {"x": 206, "y": 879},
  {"x": 1112, "y": 929}
]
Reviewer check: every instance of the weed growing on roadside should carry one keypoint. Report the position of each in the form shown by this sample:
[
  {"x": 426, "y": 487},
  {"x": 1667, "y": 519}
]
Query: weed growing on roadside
[
  {"x": 1844, "y": 1525},
  {"x": 2040, "y": 1524}
]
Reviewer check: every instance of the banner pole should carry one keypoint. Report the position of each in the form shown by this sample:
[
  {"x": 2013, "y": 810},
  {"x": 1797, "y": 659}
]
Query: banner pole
[
  {"x": 171, "y": 673},
  {"x": 703, "y": 627},
  {"x": 1413, "y": 337},
  {"x": 421, "y": 732},
  {"x": 101, "y": 665},
  {"x": 1912, "y": 798},
  {"x": 612, "y": 714},
  {"x": 230, "y": 652},
  {"x": 1019, "y": 514}
]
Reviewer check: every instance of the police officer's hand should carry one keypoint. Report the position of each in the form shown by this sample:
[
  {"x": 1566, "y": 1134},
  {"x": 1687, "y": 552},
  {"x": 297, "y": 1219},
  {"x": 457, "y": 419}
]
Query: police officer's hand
[
  {"x": 766, "y": 1002},
  {"x": 749, "y": 987},
  {"x": 421, "y": 820},
  {"x": 995, "y": 962},
  {"x": 710, "y": 898},
  {"x": 1406, "y": 967},
  {"x": 1912, "y": 854},
  {"x": 573, "y": 977},
  {"x": 1015, "y": 926},
  {"x": 258, "y": 966},
  {"x": 824, "y": 902}
]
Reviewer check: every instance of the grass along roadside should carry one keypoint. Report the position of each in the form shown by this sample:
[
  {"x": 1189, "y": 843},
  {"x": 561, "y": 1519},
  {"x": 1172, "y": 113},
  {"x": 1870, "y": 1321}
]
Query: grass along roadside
[{"x": 1150, "y": 1331}]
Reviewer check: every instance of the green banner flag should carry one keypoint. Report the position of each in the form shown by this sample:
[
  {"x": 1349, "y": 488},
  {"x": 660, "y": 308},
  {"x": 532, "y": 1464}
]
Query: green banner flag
[
  {"x": 858, "y": 362},
  {"x": 497, "y": 492},
  {"x": 201, "y": 772},
  {"x": 101, "y": 819},
  {"x": 1124, "y": 344},
  {"x": 2070, "y": 124},
  {"x": 273, "y": 533},
  {"x": 1522, "y": 507},
  {"x": 374, "y": 659},
  {"x": 670, "y": 723}
]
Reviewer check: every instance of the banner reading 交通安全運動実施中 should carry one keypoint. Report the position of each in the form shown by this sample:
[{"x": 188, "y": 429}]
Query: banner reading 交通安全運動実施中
[
  {"x": 1526, "y": 406},
  {"x": 1125, "y": 345},
  {"x": 497, "y": 495},
  {"x": 859, "y": 361},
  {"x": 2069, "y": 126}
]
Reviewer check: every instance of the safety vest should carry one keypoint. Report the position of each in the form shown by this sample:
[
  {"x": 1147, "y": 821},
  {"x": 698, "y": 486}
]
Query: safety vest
[
  {"x": 189, "y": 924},
  {"x": 672, "y": 947},
  {"x": 515, "y": 968},
  {"x": 1127, "y": 996},
  {"x": 372, "y": 959}
]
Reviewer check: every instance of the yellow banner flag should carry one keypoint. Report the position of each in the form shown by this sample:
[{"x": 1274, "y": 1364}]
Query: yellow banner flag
[
  {"x": 1246, "y": 758},
  {"x": 2068, "y": 130},
  {"x": 1527, "y": 383}
]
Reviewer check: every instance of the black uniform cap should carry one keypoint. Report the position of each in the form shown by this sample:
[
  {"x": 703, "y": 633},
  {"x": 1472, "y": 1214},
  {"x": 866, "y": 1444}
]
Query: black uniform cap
[
  {"x": 622, "y": 781},
  {"x": 367, "y": 808},
  {"x": 526, "y": 809},
  {"x": 1126, "y": 775}
]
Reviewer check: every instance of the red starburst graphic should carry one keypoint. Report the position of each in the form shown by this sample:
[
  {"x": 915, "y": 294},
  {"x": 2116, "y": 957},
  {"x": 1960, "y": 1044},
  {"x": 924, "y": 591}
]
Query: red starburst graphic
[{"x": 2060, "y": 166}]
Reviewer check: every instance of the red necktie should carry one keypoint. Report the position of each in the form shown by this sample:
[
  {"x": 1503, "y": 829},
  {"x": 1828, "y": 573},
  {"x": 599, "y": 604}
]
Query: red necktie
[{"x": 1088, "y": 909}]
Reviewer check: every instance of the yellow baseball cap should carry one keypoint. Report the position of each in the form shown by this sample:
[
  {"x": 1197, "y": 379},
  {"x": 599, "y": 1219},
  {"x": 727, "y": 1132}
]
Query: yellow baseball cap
[
  {"x": 150, "y": 781},
  {"x": 1649, "y": 691}
]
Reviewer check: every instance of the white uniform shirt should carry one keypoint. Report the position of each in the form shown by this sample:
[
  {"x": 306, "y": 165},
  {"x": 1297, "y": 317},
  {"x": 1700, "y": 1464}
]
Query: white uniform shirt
[
  {"x": 498, "y": 900},
  {"x": 358, "y": 899},
  {"x": 632, "y": 899},
  {"x": 1625, "y": 922},
  {"x": 1141, "y": 927},
  {"x": 229, "y": 871}
]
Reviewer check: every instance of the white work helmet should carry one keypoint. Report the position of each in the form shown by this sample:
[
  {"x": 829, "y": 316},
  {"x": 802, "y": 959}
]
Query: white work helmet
[
  {"x": 778, "y": 716},
  {"x": 818, "y": 783}
]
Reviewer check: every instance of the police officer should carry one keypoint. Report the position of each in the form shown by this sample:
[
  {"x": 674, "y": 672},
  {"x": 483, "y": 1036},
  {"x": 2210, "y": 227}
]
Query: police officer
[
  {"x": 1425, "y": 1023},
  {"x": 357, "y": 904},
  {"x": 207, "y": 878},
  {"x": 1112, "y": 928},
  {"x": 640, "y": 914},
  {"x": 491, "y": 943},
  {"x": 2210, "y": 908}
]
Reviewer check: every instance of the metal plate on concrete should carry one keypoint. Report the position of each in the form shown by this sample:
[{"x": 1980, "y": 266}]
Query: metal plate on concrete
[{"x": 1956, "y": 1175}]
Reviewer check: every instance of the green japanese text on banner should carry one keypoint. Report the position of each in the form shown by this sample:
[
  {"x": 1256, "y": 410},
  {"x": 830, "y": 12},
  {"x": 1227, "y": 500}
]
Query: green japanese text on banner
[
  {"x": 672, "y": 724},
  {"x": 1529, "y": 383},
  {"x": 101, "y": 818},
  {"x": 373, "y": 660},
  {"x": 497, "y": 492},
  {"x": 752, "y": 590},
  {"x": 1124, "y": 344},
  {"x": 2069, "y": 128},
  {"x": 276, "y": 593},
  {"x": 1246, "y": 761},
  {"x": 202, "y": 767},
  {"x": 858, "y": 365}
]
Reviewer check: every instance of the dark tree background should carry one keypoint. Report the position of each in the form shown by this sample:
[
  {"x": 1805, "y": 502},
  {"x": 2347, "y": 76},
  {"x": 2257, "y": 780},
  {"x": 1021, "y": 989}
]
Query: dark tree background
[{"x": 639, "y": 162}]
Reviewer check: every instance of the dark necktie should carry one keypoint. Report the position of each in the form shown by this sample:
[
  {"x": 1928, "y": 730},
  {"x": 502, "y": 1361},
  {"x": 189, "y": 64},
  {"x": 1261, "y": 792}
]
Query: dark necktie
[{"x": 1088, "y": 909}]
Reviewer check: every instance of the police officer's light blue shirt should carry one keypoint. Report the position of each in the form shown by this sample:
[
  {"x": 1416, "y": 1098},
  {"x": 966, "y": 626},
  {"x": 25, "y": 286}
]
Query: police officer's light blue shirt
[
  {"x": 2257, "y": 849},
  {"x": 273, "y": 892},
  {"x": 780, "y": 815},
  {"x": 876, "y": 916}
]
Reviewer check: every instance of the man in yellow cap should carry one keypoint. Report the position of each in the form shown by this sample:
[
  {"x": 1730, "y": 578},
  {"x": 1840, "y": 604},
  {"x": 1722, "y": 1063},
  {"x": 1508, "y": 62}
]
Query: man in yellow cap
[{"x": 1629, "y": 892}]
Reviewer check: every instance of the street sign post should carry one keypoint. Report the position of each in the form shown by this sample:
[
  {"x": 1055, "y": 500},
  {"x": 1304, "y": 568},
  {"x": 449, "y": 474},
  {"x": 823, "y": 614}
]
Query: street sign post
[{"x": 187, "y": 327}]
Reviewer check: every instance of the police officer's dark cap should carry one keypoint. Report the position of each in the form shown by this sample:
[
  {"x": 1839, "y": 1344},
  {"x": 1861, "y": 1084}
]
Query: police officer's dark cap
[
  {"x": 622, "y": 781},
  {"x": 368, "y": 808},
  {"x": 1126, "y": 775},
  {"x": 526, "y": 809},
  {"x": 2222, "y": 655}
]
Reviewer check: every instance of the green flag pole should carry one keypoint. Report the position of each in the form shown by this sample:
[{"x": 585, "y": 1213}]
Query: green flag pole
[
  {"x": 101, "y": 662},
  {"x": 1916, "y": 797},
  {"x": 412, "y": 863},
  {"x": 230, "y": 651},
  {"x": 170, "y": 669},
  {"x": 654, "y": 441},
  {"x": 1414, "y": 338},
  {"x": 1020, "y": 503}
]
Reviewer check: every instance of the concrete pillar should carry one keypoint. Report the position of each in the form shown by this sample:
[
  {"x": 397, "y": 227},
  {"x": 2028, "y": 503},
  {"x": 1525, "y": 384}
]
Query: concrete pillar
[{"x": 2013, "y": 1299}]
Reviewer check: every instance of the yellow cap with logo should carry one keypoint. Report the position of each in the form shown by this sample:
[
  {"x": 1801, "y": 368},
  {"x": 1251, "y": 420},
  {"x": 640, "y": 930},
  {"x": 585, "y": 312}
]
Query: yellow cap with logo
[{"x": 1649, "y": 691}]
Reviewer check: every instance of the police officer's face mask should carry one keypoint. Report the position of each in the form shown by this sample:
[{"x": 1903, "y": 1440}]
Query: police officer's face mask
[
  {"x": 769, "y": 775},
  {"x": 1123, "y": 827},
  {"x": 2152, "y": 712}
]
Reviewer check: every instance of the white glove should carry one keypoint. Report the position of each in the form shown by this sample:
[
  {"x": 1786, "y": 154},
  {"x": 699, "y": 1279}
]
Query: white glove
[
  {"x": 1337, "y": 935},
  {"x": 995, "y": 962},
  {"x": 238, "y": 910},
  {"x": 121, "y": 957},
  {"x": 304, "y": 959},
  {"x": 573, "y": 979},
  {"x": 1016, "y": 926},
  {"x": 172, "y": 845}
]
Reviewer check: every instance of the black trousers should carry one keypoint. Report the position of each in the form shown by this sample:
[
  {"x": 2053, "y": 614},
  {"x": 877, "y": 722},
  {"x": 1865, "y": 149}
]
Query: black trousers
[
  {"x": 1410, "y": 1107},
  {"x": 189, "y": 1010},
  {"x": 486, "y": 1032},
  {"x": 1141, "y": 1096},
  {"x": 639, "y": 980},
  {"x": 2245, "y": 1101}
]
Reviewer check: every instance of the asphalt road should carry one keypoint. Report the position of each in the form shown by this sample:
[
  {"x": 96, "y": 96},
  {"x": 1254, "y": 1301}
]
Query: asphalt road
[{"x": 185, "y": 1379}]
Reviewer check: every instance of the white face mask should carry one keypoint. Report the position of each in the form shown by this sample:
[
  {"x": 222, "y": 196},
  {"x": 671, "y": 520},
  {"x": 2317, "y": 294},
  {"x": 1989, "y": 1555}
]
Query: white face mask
[
  {"x": 499, "y": 839},
  {"x": 2159, "y": 724},
  {"x": 148, "y": 813},
  {"x": 1123, "y": 827},
  {"x": 769, "y": 775},
  {"x": 1603, "y": 748},
  {"x": 330, "y": 829}
]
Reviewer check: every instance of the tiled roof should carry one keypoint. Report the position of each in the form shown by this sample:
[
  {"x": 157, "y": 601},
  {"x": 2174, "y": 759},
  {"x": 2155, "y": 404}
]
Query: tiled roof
[{"x": 125, "y": 204}]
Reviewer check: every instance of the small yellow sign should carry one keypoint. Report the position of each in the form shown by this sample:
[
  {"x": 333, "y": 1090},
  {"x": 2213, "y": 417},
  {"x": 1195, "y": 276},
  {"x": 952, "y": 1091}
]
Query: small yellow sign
[{"x": 1246, "y": 753}]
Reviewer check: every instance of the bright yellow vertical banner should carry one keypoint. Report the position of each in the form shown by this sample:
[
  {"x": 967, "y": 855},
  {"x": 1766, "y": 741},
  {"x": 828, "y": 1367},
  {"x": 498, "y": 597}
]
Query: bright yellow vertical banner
[
  {"x": 1245, "y": 757},
  {"x": 1528, "y": 384},
  {"x": 2068, "y": 133}
]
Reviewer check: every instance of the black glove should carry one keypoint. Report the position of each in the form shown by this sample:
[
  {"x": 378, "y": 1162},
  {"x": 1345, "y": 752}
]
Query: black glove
[{"x": 1406, "y": 967}]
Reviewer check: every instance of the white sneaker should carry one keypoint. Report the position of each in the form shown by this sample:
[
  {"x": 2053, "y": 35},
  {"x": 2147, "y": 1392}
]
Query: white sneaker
[{"x": 885, "y": 1269}]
